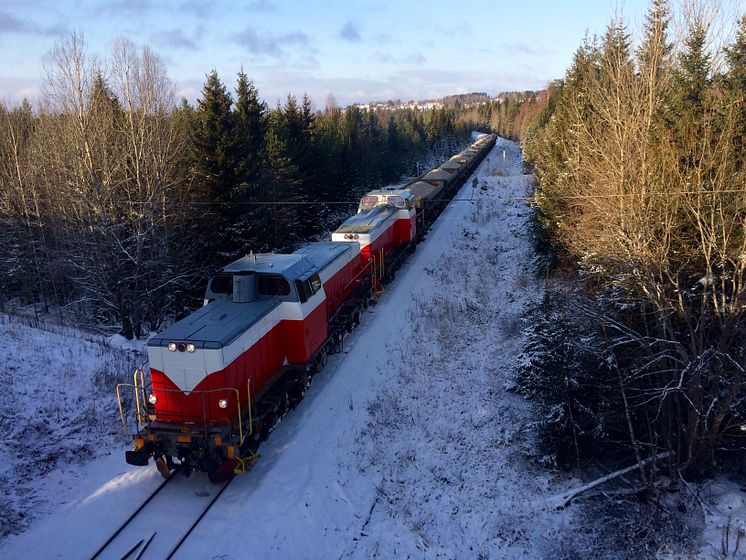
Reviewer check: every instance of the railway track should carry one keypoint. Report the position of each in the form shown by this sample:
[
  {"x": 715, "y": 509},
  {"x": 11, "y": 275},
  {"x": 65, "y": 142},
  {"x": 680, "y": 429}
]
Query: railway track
[{"x": 160, "y": 526}]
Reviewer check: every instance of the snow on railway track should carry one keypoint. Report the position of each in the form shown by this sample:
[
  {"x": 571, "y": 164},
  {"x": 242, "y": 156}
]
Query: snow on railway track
[
  {"x": 161, "y": 525},
  {"x": 409, "y": 444},
  {"x": 406, "y": 445}
]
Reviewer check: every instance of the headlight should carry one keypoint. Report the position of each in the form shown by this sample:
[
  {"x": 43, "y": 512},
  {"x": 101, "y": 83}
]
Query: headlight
[
  {"x": 181, "y": 346},
  {"x": 152, "y": 399},
  {"x": 357, "y": 236},
  {"x": 222, "y": 403},
  {"x": 172, "y": 347},
  {"x": 190, "y": 347}
]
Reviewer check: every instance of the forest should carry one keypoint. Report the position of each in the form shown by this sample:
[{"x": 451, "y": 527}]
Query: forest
[
  {"x": 641, "y": 228},
  {"x": 118, "y": 200}
]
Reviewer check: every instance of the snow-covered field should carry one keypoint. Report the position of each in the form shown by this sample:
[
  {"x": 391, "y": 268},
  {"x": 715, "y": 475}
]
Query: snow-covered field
[
  {"x": 57, "y": 411},
  {"x": 408, "y": 445}
]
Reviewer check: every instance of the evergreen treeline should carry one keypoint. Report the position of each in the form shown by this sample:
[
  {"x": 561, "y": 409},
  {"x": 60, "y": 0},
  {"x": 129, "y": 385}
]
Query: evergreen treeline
[
  {"x": 511, "y": 114},
  {"x": 117, "y": 202},
  {"x": 642, "y": 169}
]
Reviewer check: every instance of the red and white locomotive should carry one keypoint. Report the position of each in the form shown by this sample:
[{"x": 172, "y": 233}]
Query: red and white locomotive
[{"x": 221, "y": 377}]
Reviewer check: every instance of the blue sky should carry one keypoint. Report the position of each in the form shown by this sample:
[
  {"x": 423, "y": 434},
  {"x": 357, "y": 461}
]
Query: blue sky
[{"x": 356, "y": 50}]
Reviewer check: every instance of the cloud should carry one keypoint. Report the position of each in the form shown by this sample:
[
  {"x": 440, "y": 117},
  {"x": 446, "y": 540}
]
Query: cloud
[
  {"x": 14, "y": 90},
  {"x": 262, "y": 6},
  {"x": 197, "y": 8},
  {"x": 274, "y": 46},
  {"x": 401, "y": 83},
  {"x": 524, "y": 49},
  {"x": 189, "y": 89},
  {"x": 463, "y": 28},
  {"x": 350, "y": 33},
  {"x": 11, "y": 24},
  {"x": 137, "y": 7},
  {"x": 416, "y": 58},
  {"x": 175, "y": 38}
]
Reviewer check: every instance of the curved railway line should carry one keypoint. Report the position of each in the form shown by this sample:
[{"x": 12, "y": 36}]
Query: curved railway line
[{"x": 164, "y": 521}]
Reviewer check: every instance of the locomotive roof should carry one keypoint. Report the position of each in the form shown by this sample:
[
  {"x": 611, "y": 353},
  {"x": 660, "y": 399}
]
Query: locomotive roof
[
  {"x": 367, "y": 220},
  {"x": 217, "y": 324},
  {"x": 291, "y": 266},
  {"x": 391, "y": 191},
  {"x": 222, "y": 321},
  {"x": 321, "y": 254}
]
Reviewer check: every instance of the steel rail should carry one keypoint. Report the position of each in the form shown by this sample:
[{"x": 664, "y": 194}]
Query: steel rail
[
  {"x": 123, "y": 526},
  {"x": 188, "y": 532}
]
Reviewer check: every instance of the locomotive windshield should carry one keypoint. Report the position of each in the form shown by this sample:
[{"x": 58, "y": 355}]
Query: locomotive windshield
[
  {"x": 221, "y": 284},
  {"x": 396, "y": 201},
  {"x": 273, "y": 285},
  {"x": 368, "y": 202}
]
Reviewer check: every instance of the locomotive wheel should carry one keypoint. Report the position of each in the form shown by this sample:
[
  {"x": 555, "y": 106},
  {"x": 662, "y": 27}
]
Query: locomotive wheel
[
  {"x": 339, "y": 342},
  {"x": 285, "y": 402},
  {"x": 225, "y": 472},
  {"x": 297, "y": 391}
]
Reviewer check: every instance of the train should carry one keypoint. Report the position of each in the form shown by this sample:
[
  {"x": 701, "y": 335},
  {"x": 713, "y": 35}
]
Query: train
[{"x": 221, "y": 378}]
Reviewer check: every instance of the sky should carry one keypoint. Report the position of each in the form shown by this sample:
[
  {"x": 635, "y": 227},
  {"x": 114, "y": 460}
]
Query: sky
[{"x": 356, "y": 50}]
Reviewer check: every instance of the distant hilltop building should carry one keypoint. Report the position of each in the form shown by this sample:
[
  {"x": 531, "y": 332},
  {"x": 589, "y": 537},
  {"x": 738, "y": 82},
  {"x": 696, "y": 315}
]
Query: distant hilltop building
[
  {"x": 464, "y": 100},
  {"x": 412, "y": 104},
  {"x": 423, "y": 105}
]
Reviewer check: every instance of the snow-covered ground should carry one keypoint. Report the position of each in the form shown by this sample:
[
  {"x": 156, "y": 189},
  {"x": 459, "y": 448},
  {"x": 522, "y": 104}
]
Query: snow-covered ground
[
  {"x": 57, "y": 411},
  {"x": 408, "y": 445}
]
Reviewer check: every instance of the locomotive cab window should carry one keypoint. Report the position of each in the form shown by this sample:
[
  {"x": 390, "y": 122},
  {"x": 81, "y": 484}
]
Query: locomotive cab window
[
  {"x": 396, "y": 201},
  {"x": 273, "y": 285},
  {"x": 221, "y": 284},
  {"x": 369, "y": 202},
  {"x": 307, "y": 288},
  {"x": 315, "y": 282}
]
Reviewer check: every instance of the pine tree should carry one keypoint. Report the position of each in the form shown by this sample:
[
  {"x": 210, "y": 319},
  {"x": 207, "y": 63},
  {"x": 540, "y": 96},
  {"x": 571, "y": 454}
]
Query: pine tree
[
  {"x": 251, "y": 131},
  {"x": 736, "y": 92},
  {"x": 214, "y": 140},
  {"x": 692, "y": 78},
  {"x": 282, "y": 182},
  {"x": 392, "y": 158},
  {"x": 215, "y": 164}
]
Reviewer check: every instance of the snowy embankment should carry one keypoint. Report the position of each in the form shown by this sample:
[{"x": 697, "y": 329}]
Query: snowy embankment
[
  {"x": 408, "y": 445},
  {"x": 57, "y": 411}
]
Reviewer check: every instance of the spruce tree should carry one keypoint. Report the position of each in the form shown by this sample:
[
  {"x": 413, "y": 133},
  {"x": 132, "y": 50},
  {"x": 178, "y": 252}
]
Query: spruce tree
[
  {"x": 251, "y": 121},
  {"x": 392, "y": 154},
  {"x": 655, "y": 48},
  {"x": 692, "y": 79},
  {"x": 282, "y": 181},
  {"x": 215, "y": 163},
  {"x": 736, "y": 92},
  {"x": 213, "y": 140}
]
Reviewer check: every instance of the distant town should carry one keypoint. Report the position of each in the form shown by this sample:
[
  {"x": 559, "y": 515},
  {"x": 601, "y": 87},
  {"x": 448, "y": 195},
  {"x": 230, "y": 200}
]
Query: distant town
[{"x": 464, "y": 100}]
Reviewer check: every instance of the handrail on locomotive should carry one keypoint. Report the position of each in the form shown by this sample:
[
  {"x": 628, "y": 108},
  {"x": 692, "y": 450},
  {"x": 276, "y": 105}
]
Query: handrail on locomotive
[{"x": 143, "y": 416}]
